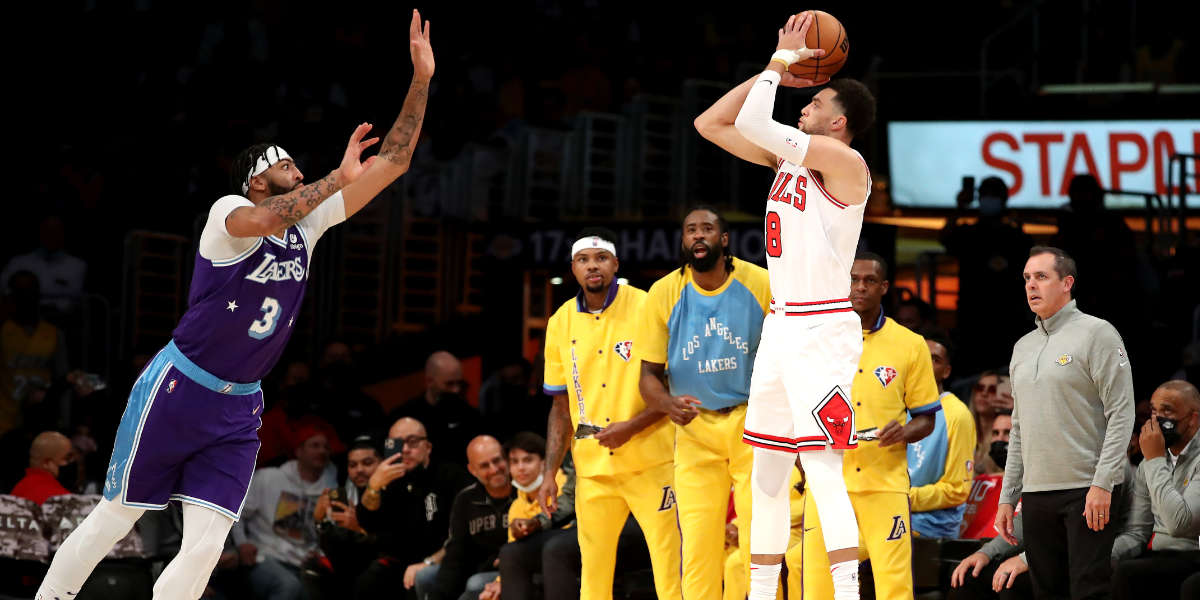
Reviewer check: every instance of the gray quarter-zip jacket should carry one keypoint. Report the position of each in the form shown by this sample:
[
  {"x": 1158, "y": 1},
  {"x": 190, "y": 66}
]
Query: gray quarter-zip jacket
[
  {"x": 1073, "y": 406},
  {"x": 1166, "y": 504}
]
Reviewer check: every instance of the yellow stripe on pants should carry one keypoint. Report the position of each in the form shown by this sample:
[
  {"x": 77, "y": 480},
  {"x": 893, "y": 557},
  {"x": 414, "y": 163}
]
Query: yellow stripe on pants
[{"x": 603, "y": 503}]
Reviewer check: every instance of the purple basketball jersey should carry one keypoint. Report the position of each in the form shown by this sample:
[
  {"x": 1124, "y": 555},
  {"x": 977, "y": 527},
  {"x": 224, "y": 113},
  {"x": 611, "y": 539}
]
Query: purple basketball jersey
[{"x": 241, "y": 309}]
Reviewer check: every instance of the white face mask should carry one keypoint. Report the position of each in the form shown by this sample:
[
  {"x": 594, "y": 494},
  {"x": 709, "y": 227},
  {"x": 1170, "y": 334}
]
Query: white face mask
[{"x": 529, "y": 489}]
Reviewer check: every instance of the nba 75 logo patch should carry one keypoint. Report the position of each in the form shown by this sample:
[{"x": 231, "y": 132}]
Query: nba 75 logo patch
[
  {"x": 624, "y": 350},
  {"x": 885, "y": 375}
]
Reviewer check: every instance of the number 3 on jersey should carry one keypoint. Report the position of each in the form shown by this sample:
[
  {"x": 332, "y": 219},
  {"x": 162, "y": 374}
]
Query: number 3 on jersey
[{"x": 266, "y": 325}]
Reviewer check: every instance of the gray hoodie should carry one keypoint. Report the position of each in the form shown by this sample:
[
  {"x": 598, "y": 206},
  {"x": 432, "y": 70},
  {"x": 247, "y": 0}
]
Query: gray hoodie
[{"x": 278, "y": 514}]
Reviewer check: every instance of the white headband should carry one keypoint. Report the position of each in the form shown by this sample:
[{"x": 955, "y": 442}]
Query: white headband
[
  {"x": 265, "y": 161},
  {"x": 593, "y": 241}
]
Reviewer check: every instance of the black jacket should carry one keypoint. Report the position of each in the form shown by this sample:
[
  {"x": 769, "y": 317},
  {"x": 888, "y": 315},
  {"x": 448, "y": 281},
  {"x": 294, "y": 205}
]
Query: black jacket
[
  {"x": 414, "y": 513},
  {"x": 478, "y": 528}
]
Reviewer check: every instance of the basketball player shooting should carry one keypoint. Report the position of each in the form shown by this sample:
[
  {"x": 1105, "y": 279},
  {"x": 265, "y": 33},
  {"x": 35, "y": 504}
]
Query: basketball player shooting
[
  {"x": 811, "y": 340},
  {"x": 190, "y": 429}
]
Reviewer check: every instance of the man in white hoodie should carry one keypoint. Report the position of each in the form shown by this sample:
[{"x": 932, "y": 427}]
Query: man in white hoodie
[{"x": 277, "y": 533}]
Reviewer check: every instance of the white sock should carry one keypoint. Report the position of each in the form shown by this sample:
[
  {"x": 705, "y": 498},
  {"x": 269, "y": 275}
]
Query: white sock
[
  {"x": 764, "y": 581},
  {"x": 845, "y": 580}
]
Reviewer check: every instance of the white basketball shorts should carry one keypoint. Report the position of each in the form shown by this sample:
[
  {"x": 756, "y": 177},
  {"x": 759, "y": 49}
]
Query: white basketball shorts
[{"x": 800, "y": 387}]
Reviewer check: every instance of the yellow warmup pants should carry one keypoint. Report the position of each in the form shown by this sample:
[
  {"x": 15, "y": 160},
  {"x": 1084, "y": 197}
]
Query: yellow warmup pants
[
  {"x": 884, "y": 536},
  {"x": 603, "y": 503},
  {"x": 709, "y": 458}
]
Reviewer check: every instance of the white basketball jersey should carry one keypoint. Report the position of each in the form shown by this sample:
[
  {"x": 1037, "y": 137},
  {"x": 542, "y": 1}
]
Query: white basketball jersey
[{"x": 811, "y": 239}]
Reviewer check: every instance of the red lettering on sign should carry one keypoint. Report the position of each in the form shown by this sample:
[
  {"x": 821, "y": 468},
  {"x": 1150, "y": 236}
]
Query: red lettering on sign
[
  {"x": 1043, "y": 141},
  {"x": 993, "y": 161},
  {"x": 1115, "y": 165},
  {"x": 1164, "y": 147},
  {"x": 1079, "y": 146}
]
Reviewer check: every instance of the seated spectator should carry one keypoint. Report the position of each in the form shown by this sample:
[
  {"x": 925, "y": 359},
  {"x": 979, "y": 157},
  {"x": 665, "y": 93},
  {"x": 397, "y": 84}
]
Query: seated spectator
[
  {"x": 940, "y": 465},
  {"x": 60, "y": 275},
  {"x": 276, "y": 535},
  {"x": 33, "y": 353},
  {"x": 51, "y": 458},
  {"x": 451, "y": 422},
  {"x": 505, "y": 401},
  {"x": 979, "y": 516},
  {"x": 530, "y": 529},
  {"x": 1166, "y": 500},
  {"x": 998, "y": 569},
  {"x": 918, "y": 315},
  {"x": 478, "y": 524},
  {"x": 294, "y": 411},
  {"x": 340, "y": 400},
  {"x": 349, "y": 548},
  {"x": 406, "y": 505},
  {"x": 984, "y": 396}
]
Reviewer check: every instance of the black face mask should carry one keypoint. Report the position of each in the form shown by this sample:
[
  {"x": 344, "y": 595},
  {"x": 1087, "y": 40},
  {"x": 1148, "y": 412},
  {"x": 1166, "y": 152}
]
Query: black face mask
[
  {"x": 68, "y": 476},
  {"x": 999, "y": 452},
  {"x": 1170, "y": 430}
]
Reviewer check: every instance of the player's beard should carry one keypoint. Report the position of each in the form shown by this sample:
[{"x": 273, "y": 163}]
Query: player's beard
[
  {"x": 596, "y": 288},
  {"x": 279, "y": 190},
  {"x": 702, "y": 265}
]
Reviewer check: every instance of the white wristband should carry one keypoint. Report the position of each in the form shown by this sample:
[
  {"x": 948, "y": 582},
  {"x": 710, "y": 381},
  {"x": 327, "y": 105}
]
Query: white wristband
[{"x": 788, "y": 57}]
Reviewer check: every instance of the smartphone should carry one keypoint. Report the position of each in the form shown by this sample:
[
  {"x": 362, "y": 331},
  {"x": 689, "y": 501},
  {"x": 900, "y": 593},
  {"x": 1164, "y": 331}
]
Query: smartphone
[
  {"x": 968, "y": 190},
  {"x": 336, "y": 495},
  {"x": 392, "y": 446}
]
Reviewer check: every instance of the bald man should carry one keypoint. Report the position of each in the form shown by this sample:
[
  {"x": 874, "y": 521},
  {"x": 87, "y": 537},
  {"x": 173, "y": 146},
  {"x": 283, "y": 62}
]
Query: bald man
[
  {"x": 407, "y": 504},
  {"x": 443, "y": 407},
  {"x": 1165, "y": 511},
  {"x": 478, "y": 524},
  {"x": 51, "y": 457}
]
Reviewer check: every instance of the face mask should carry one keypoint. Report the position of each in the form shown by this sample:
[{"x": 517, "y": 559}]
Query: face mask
[
  {"x": 68, "y": 476},
  {"x": 999, "y": 452},
  {"x": 531, "y": 488},
  {"x": 991, "y": 206},
  {"x": 1170, "y": 430}
]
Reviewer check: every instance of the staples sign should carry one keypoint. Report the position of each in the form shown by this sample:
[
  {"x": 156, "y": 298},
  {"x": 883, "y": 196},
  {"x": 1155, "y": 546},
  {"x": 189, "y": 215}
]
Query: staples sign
[{"x": 1037, "y": 159}]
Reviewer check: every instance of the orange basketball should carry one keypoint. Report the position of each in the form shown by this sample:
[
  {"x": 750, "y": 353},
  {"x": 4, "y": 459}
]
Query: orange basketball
[{"x": 826, "y": 33}]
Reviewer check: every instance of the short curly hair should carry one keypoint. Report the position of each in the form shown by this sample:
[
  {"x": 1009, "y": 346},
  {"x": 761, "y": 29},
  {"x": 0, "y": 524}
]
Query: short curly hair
[{"x": 857, "y": 103}]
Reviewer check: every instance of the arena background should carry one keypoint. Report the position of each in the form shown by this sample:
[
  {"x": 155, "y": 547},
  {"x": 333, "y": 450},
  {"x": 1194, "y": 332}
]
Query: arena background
[{"x": 545, "y": 117}]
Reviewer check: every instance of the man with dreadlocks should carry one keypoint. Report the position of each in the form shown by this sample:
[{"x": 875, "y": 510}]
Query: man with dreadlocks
[
  {"x": 189, "y": 432},
  {"x": 699, "y": 335}
]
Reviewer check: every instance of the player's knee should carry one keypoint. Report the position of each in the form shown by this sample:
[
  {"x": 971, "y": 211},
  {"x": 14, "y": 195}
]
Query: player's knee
[{"x": 771, "y": 471}]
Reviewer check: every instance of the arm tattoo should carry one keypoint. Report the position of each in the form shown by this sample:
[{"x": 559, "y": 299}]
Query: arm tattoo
[
  {"x": 296, "y": 204},
  {"x": 559, "y": 430},
  {"x": 398, "y": 145}
]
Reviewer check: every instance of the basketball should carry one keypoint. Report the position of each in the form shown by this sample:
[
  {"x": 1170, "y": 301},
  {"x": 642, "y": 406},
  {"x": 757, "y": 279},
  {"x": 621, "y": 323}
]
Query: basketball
[{"x": 826, "y": 33}]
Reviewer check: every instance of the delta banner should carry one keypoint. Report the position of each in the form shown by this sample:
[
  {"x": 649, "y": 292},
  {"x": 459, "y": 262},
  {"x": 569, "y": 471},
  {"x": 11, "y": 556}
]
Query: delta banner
[{"x": 1037, "y": 159}]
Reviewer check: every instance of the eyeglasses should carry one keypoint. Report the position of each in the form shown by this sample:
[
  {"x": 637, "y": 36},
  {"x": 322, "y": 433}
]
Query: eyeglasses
[
  {"x": 981, "y": 388},
  {"x": 412, "y": 440}
]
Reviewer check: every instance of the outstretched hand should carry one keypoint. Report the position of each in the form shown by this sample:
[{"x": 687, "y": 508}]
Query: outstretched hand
[
  {"x": 418, "y": 46},
  {"x": 352, "y": 166},
  {"x": 794, "y": 34}
]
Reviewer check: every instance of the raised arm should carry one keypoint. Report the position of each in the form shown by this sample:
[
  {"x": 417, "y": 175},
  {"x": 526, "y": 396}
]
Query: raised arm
[
  {"x": 358, "y": 181},
  {"x": 754, "y": 120},
  {"x": 716, "y": 126},
  {"x": 397, "y": 149}
]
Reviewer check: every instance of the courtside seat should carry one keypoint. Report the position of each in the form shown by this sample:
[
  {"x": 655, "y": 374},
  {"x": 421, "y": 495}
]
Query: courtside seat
[
  {"x": 124, "y": 573},
  {"x": 24, "y": 551}
]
